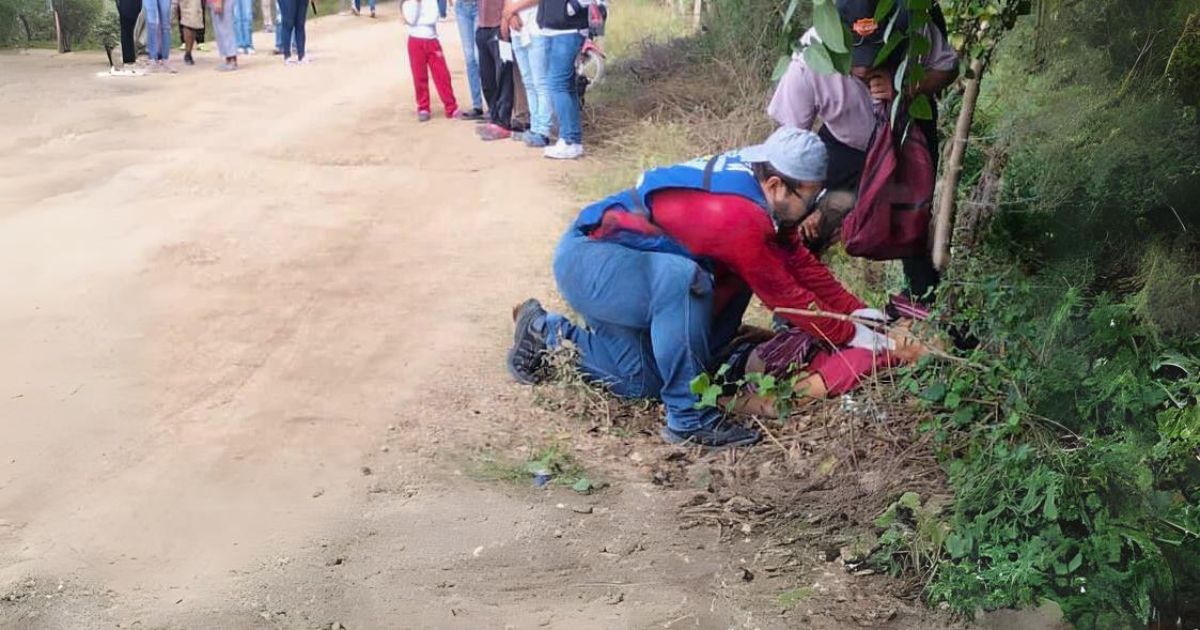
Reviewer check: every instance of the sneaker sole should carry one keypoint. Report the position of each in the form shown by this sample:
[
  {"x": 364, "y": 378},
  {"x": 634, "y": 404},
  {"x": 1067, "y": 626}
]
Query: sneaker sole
[
  {"x": 671, "y": 438},
  {"x": 512, "y": 371}
]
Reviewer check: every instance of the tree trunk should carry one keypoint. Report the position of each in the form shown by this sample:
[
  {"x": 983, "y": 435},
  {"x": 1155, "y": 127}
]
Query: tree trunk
[
  {"x": 944, "y": 217},
  {"x": 697, "y": 9},
  {"x": 28, "y": 31},
  {"x": 63, "y": 45}
]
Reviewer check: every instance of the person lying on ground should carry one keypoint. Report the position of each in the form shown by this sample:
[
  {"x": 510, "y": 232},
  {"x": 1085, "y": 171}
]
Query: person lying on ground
[
  {"x": 662, "y": 274},
  {"x": 821, "y": 371}
]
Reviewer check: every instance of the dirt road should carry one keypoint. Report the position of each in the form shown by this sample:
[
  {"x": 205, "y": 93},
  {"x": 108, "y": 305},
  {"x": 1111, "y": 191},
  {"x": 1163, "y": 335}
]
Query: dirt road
[
  {"x": 253, "y": 328},
  {"x": 219, "y": 292}
]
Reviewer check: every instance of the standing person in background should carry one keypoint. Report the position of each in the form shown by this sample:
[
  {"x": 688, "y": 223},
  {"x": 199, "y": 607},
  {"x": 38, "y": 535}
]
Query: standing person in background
[
  {"x": 243, "y": 21},
  {"x": 158, "y": 33},
  {"x": 426, "y": 57},
  {"x": 563, "y": 23},
  {"x": 127, "y": 12},
  {"x": 356, "y": 6},
  {"x": 222, "y": 22},
  {"x": 529, "y": 47},
  {"x": 268, "y": 24},
  {"x": 466, "y": 13},
  {"x": 294, "y": 14},
  {"x": 191, "y": 20},
  {"x": 495, "y": 70},
  {"x": 441, "y": 9}
]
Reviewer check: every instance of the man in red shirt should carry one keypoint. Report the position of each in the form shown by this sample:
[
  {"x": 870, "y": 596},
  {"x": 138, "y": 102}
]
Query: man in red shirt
[{"x": 662, "y": 274}]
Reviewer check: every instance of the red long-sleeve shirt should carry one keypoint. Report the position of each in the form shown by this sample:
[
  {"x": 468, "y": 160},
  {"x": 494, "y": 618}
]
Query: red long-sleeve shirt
[{"x": 736, "y": 234}]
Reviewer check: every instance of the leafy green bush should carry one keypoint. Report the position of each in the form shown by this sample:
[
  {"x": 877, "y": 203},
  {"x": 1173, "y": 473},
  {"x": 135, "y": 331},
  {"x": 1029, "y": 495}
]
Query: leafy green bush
[{"x": 1071, "y": 442}]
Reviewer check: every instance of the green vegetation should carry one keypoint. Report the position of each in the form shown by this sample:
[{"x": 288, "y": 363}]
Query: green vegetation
[
  {"x": 552, "y": 463},
  {"x": 1071, "y": 435}
]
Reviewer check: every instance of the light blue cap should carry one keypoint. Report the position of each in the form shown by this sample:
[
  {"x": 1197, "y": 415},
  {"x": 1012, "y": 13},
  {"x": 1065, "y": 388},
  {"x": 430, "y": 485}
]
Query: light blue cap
[{"x": 796, "y": 153}]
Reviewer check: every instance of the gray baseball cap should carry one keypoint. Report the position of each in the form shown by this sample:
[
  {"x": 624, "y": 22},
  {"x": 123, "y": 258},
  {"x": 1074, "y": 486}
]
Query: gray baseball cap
[{"x": 796, "y": 153}]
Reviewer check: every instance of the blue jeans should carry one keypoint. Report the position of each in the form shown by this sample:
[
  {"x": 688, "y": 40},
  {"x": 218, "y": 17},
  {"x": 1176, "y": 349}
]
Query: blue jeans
[
  {"x": 294, "y": 15},
  {"x": 466, "y": 13},
  {"x": 358, "y": 4},
  {"x": 243, "y": 23},
  {"x": 531, "y": 60},
  {"x": 442, "y": 9},
  {"x": 562, "y": 50},
  {"x": 158, "y": 29},
  {"x": 650, "y": 326}
]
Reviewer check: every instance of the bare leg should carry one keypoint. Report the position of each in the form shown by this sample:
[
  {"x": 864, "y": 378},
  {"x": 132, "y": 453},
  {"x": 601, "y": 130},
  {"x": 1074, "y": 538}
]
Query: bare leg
[{"x": 189, "y": 39}]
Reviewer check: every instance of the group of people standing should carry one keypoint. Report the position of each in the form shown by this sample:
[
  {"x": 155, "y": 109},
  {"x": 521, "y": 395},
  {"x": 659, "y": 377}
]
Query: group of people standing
[
  {"x": 148, "y": 23},
  {"x": 662, "y": 273},
  {"x": 539, "y": 39}
]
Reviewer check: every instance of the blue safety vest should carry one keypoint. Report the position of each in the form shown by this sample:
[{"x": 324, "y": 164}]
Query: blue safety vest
[{"x": 724, "y": 174}]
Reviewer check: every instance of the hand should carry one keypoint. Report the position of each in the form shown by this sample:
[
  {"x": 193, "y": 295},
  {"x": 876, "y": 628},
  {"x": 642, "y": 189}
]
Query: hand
[
  {"x": 880, "y": 85},
  {"x": 809, "y": 227}
]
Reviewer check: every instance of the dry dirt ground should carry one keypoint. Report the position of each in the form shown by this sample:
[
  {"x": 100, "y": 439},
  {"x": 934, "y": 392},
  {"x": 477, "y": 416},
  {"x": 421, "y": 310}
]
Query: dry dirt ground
[{"x": 253, "y": 328}]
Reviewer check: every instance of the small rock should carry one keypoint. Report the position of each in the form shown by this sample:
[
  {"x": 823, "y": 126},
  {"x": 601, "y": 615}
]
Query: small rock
[
  {"x": 318, "y": 492},
  {"x": 558, "y": 533},
  {"x": 747, "y": 575},
  {"x": 616, "y": 599},
  {"x": 700, "y": 477},
  {"x": 582, "y": 509},
  {"x": 391, "y": 427},
  {"x": 385, "y": 448},
  {"x": 366, "y": 471},
  {"x": 478, "y": 550},
  {"x": 333, "y": 562},
  {"x": 747, "y": 528},
  {"x": 636, "y": 457}
]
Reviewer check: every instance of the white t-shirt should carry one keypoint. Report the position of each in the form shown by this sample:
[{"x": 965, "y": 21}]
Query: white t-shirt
[
  {"x": 421, "y": 16},
  {"x": 529, "y": 26}
]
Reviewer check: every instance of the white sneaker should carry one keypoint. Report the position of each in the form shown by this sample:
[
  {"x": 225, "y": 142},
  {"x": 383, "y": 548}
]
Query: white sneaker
[
  {"x": 563, "y": 151},
  {"x": 251, "y": 51}
]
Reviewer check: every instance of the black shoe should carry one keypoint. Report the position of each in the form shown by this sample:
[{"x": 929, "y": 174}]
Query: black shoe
[
  {"x": 473, "y": 114},
  {"x": 724, "y": 435},
  {"x": 187, "y": 59},
  {"x": 527, "y": 358}
]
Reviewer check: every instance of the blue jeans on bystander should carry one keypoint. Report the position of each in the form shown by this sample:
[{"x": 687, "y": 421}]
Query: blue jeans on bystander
[
  {"x": 243, "y": 23},
  {"x": 561, "y": 52},
  {"x": 466, "y": 13},
  {"x": 531, "y": 59}
]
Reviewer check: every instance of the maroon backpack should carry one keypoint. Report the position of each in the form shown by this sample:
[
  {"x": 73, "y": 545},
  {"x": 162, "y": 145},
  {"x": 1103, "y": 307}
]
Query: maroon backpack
[{"x": 891, "y": 218}]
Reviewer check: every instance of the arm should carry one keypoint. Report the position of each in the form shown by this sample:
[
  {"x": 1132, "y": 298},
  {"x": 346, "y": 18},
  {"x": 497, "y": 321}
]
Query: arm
[
  {"x": 738, "y": 233},
  {"x": 941, "y": 63},
  {"x": 794, "y": 102},
  {"x": 513, "y": 8}
]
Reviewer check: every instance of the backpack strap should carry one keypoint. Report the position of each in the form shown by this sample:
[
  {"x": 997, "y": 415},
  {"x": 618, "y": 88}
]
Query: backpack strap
[{"x": 708, "y": 173}]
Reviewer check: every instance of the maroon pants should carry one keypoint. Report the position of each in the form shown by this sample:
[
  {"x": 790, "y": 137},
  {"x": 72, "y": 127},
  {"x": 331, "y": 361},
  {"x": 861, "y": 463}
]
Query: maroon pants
[{"x": 426, "y": 58}]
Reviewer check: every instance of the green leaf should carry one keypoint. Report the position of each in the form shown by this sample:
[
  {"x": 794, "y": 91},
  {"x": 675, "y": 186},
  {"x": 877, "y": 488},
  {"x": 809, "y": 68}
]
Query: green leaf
[
  {"x": 920, "y": 108},
  {"x": 1075, "y": 562},
  {"x": 583, "y": 486},
  {"x": 901, "y": 75},
  {"x": 841, "y": 62},
  {"x": 888, "y": 49},
  {"x": 952, "y": 401},
  {"x": 829, "y": 26},
  {"x": 883, "y": 8},
  {"x": 935, "y": 392},
  {"x": 910, "y": 500},
  {"x": 700, "y": 384},
  {"x": 790, "y": 12},
  {"x": 817, "y": 57},
  {"x": 1050, "y": 508},
  {"x": 781, "y": 67},
  {"x": 915, "y": 6}
]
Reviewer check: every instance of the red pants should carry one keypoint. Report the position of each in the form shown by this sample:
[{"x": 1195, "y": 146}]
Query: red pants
[{"x": 426, "y": 57}]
